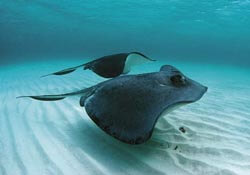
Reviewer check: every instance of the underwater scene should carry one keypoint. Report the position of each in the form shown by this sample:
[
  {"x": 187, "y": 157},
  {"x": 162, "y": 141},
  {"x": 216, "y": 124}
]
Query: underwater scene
[{"x": 124, "y": 87}]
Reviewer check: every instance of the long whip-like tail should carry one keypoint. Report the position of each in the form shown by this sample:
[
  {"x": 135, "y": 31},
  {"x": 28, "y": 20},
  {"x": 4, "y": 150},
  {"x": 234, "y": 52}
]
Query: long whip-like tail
[
  {"x": 65, "y": 71},
  {"x": 83, "y": 93}
]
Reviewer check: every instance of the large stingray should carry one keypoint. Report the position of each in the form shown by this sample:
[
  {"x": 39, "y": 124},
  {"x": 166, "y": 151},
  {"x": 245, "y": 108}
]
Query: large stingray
[
  {"x": 128, "y": 107},
  {"x": 110, "y": 66}
]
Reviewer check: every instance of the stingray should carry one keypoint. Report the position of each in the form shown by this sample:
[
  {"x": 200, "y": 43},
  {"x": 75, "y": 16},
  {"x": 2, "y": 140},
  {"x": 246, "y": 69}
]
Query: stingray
[
  {"x": 128, "y": 107},
  {"x": 110, "y": 66}
]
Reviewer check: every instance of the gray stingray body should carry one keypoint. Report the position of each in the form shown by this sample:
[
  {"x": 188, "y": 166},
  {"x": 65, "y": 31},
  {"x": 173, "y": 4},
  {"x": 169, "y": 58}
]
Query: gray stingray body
[{"x": 128, "y": 107}]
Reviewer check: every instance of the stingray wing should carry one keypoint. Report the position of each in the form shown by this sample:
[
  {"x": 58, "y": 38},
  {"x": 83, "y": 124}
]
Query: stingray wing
[
  {"x": 126, "y": 109},
  {"x": 108, "y": 66}
]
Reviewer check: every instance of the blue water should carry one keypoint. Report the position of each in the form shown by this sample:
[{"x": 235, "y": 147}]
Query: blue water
[
  {"x": 216, "y": 31},
  {"x": 209, "y": 41}
]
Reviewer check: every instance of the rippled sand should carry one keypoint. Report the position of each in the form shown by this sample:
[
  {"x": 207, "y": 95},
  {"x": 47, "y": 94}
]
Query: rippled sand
[{"x": 59, "y": 138}]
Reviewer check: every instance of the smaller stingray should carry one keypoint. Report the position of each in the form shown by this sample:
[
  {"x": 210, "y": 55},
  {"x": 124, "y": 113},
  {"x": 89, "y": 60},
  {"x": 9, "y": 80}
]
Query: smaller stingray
[
  {"x": 128, "y": 107},
  {"x": 110, "y": 66}
]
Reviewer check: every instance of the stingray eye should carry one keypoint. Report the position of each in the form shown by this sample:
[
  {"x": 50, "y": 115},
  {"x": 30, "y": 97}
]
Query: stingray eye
[{"x": 178, "y": 80}]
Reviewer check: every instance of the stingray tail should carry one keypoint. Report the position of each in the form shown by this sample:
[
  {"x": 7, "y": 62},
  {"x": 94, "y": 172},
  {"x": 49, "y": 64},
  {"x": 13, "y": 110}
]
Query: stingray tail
[
  {"x": 83, "y": 93},
  {"x": 65, "y": 71}
]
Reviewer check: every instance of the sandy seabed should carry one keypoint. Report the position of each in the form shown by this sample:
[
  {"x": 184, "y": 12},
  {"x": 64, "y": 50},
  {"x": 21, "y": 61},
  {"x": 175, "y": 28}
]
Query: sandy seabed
[{"x": 59, "y": 138}]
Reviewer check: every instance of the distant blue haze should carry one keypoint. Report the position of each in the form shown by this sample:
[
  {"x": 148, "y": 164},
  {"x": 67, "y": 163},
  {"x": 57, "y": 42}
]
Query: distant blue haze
[{"x": 213, "y": 31}]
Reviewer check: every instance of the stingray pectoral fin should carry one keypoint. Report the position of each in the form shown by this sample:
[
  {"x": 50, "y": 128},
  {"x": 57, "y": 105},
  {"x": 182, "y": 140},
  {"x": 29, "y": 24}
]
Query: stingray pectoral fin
[
  {"x": 144, "y": 56},
  {"x": 131, "y": 130},
  {"x": 64, "y": 71},
  {"x": 123, "y": 113},
  {"x": 82, "y": 100},
  {"x": 149, "y": 59}
]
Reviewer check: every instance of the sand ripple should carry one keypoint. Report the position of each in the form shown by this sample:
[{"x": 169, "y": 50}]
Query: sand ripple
[{"x": 59, "y": 138}]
